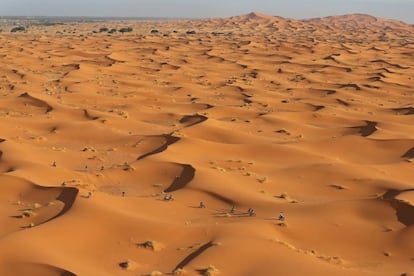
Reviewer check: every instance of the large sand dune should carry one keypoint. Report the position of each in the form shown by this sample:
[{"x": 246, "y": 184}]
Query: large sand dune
[{"x": 312, "y": 118}]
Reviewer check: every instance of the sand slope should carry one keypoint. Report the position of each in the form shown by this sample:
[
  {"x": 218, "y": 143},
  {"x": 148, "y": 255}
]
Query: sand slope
[{"x": 312, "y": 118}]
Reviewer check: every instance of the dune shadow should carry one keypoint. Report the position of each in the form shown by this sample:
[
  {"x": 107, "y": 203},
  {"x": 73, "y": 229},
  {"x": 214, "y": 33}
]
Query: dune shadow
[
  {"x": 350, "y": 85},
  {"x": 41, "y": 269},
  {"x": 67, "y": 273},
  {"x": 60, "y": 271},
  {"x": 89, "y": 116},
  {"x": 325, "y": 92},
  {"x": 68, "y": 197},
  {"x": 187, "y": 174},
  {"x": 316, "y": 108},
  {"x": 403, "y": 209},
  {"x": 404, "y": 110},
  {"x": 342, "y": 102},
  {"x": 409, "y": 154},
  {"x": 390, "y": 64},
  {"x": 169, "y": 140},
  {"x": 220, "y": 197},
  {"x": 192, "y": 120},
  {"x": 368, "y": 129},
  {"x": 193, "y": 255},
  {"x": 36, "y": 102}
]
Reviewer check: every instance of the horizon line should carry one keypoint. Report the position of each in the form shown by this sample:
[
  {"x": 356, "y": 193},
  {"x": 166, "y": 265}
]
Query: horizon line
[{"x": 154, "y": 18}]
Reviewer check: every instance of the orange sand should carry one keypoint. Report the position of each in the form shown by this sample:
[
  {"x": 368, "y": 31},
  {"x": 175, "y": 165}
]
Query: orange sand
[{"x": 313, "y": 118}]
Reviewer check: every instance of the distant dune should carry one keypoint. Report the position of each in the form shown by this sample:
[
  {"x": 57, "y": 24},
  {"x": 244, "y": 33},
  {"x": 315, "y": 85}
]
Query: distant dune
[{"x": 172, "y": 147}]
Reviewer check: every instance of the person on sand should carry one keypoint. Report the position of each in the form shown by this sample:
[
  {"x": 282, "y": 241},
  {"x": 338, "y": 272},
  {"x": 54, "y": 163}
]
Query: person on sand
[
  {"x": 86, "y": 168},
  {"x": 251, "y": 212},
  {"x": 202, "y": 205},
  {"x": 281, "y": 216},
  {"x": 233, "y": 209},
  {"x": 123, "y": 194},
  {"x": 54, "y": 164}
]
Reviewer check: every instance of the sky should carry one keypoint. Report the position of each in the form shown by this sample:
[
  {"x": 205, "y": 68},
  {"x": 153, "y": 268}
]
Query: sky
[{"x": 299, "y": 9}]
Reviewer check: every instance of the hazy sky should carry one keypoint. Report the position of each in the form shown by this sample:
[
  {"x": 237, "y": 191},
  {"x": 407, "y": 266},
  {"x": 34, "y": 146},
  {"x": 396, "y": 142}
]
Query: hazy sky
[{"x": 398, "y": 9}]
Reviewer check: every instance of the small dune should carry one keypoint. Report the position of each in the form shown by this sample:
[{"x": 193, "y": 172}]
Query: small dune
[
  {"x": 193, "y": 255},
  {"x": 342, "y": 102},
  {"x": 404, "y": 110},
  {"x": 30, "y": 100},
  {"x": 404, "y": 210},
  {"x": 36, "y": 269},
  {"x": 169, "y": 140},
  {"x": 187, "y": 174},
  {"x": 350, "y": 85},
  {"x": 89, "y": 116},
  {"x": 395, "y": 65},
  {"x": 367, "y": 130},
  {"x": 190, "y": 120},
  {"x": 409, "y": 154}
]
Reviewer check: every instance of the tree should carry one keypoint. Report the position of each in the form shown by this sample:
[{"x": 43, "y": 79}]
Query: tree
[
  {"x": 18, "y": 29},
  {"x": 125, "y": 30}
]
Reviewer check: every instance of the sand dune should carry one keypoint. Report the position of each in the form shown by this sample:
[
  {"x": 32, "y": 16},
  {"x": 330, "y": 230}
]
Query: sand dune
[{"x": 141, "y": 153}]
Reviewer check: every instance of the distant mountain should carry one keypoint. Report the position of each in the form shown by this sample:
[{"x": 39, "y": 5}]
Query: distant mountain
[
  {"x": 358, "y": 21},
  {"x": 349, "y": 23}
]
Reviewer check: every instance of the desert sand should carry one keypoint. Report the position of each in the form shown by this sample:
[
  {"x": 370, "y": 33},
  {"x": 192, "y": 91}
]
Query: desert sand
[{"x": 312, "y": 118}]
